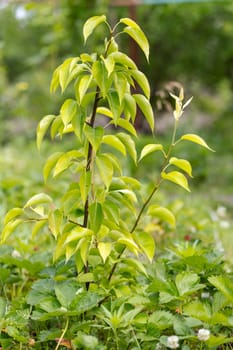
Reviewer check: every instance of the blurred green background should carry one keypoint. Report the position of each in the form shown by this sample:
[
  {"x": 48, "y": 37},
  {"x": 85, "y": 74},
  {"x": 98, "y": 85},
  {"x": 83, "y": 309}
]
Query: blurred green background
[{"x": 191, "y": 44}]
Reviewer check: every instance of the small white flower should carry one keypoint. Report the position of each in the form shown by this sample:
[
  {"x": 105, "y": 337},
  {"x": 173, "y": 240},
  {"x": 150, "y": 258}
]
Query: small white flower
[
  {"x": 203, "y": 334},
  {"x": 173, "y": 342},
  {"x": 221, "y": 211},
  {"x": 15, "y": 254},
  {"x": 224, "y": 224}
]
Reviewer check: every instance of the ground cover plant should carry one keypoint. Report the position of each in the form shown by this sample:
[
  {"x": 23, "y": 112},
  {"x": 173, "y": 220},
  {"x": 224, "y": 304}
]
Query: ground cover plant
[{"x": 96, "y": 279}]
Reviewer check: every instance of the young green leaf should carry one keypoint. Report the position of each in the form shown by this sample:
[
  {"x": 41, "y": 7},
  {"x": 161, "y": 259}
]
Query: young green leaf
[
  {"x": 77, "y": 233},
  {"x": 115, "y": 105},
  {"x": 94, "y": 135},
  {"x": 142, "y": 81},
  {"x": 9, "y": 228},
  {"x": 163, "y": 214},
  {"x": 196, "y": 139},
  {"x": 105, "y": 249},
  {"x": 82, "y": 86},
  {"x": 130, "y": 107},
  {"x": 105, "y": 111},
  {"x": 176, "y": 177},
  {"x": 68, "y": 111},
  {"x": 50, "y": 163},
  {"x": 114, "y": 141},
  {"x": 11, "y": 214},
  {"x": 43, "y": 127},
  {"x": 105, "y": 169},
  {"x": 55, "y": 220},
  {"x": 145, "y": 107},
  {"x": 137, "y": 34},
  {"x": 96, "y": 216},
  {"x": 91, "y": 24},
  {"x": 149, "y": 149},
  {"x": 65, "y": 161},
  {"x": 124, "y": 124},
  {"x": 101, "y": 77},
  {"x": 109, "y": 63},
  {"x": 129, "y": 144},
  {"x": 146, "y": 242},
  {"x": 41, "y": 198},
  {"x": 182, "y": 164},
  {"x": 122, "y": 59}
]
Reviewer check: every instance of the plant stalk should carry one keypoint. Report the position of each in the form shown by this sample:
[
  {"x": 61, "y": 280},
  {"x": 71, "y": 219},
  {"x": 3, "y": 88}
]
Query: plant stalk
[{"x": 147, "y": 201}]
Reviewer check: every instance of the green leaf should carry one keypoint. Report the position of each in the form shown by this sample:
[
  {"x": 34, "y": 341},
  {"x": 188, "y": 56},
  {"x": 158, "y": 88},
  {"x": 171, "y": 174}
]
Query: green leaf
[
  {"x": 91, "y": 24},
  {"x": 42, "y": 128},
  {"x": 77, "y": 233},
  {"x": 85, "y": 301},
  {"x": 142, "y": 81},
  {"x": 161, "y": 319},
  {"x": 112, "y": 211},
  {"x": 84, "y": 341},
  {"x": 50, "y": 163},
  {"x": 123, "y": 59},
  {"x": 41, "y": 198},
  {"x": 198, "y": 310},
  {"x": 137, "y": 34},
  {"x": 224, "y": 284},
  {"x": 125, "y": 124},
  {"x": 114, "y": 141},
  {"x": 57, "y": 127},
  {"x": 65, "y": 161},
  {"x": 9, "y": 228},
  {"x": 105, "y": 111},
  {"x": 82, "y": 86},
  {"x": 37, "y": 227},
  {"x": 187, "y": 283},
  {"x": 145, "y": 107},
  {"x": 146, "y": 242},
  {"x": 115, "y": 105},
  {"x": 129, "y": 144},
  {"x": 109, "y": 64},
  {"x": 129, "y": 22},
  {"x": 149, "y": 149},
  {"x": 136, "y": 264},
  {"x": 11, "y": 214},
  {"x": 130, "y": 107},
  {"x": 65, "y": 292},
  {"x": 105, "y": 249},
  {"x": 162, "y": 213},
  {"x": 94, "y": 135},
  {"x": 105, "y": 169},
  {"x": 182, "y": 164},
  {"x": 130, "y": 244},
  {"x": 176, "y": 177},
  {"x": 121, "y": 84},
  {"x": 100, "y": 75},
  {"x": 196, "y": 139},
  {"x": 68, "y": 111},
  {"x": 115, "y": 162},
  {"x": 95, "y": 216},
  {"x": 55, "y": 220},
  {"x": 54, "y": 81},
  {"x": 85, "y": 184}
]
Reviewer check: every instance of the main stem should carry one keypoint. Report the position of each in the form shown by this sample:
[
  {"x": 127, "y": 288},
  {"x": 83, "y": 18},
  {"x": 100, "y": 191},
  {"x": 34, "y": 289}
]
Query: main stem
[{"x": 88, "y": 168}]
